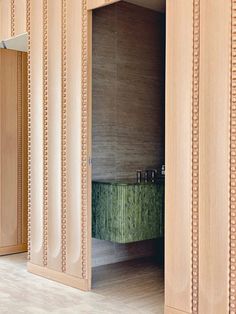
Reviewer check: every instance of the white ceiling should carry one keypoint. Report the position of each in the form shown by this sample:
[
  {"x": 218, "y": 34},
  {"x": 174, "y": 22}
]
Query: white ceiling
[{"x": 157, "y": 5}]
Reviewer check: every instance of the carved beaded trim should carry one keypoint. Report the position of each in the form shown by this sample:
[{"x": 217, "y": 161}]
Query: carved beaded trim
[
  {"x": 232, "y": 273},
  {"x": 19, "y": 148},
  {"x": 45, "y": 131},
  {"x": 195, "y": 155},
  {"x": 84, "y": 135},
  {"x": 28, "y": 21},
  {"x": 64, "y": 136},
  {"x": 12, "y": 18}
]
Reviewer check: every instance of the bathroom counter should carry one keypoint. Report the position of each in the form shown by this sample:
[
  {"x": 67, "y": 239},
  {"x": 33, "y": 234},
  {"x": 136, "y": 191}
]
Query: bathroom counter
[
  {"x": 127, "y": 211},
  {"x": 128, "y": 182}
]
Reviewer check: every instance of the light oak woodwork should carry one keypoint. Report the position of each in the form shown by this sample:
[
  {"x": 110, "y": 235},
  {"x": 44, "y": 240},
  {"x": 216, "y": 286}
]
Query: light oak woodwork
[
  {"x": 5, "y": 19},
  {"x": 36, "y": 148},
  {"x": 19, "y": 17},
  {"x": 52, "y": 144},
  {"x": 94, "y": 4},
  {"x": 59, "y": 189},
  {"x": 13, "y": 249},
  {"x": 13, "y": 126},
  {"x": 214, "y": 156},
  {"x": 171, "y": 310},
  {"x": 12, "y": 18},
  {"x": 24, "y": 150},
  {"x": 54, "y": 53},
  {"x": 69, "y": 280},
  {"x": 178, "y": 182}
]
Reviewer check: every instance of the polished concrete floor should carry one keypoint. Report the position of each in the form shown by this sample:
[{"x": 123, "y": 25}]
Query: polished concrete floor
[{"x": 131, "y": 287}]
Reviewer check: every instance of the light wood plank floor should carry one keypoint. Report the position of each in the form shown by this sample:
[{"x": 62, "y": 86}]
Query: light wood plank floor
[
  {"x": 131, "y": 288},
  {"x": 137, "y": 283}
]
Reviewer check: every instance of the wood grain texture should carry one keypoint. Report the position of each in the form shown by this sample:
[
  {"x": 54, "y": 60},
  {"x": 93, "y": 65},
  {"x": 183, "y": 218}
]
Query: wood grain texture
[
  {"x": 128, "y": 91},
  {"x": 12, "y": 18},
  {"x": 195, "y": 157},
  {"x": 5, "y": 19},
  {"x": 35, "y": 28},
  {"x": 45, "y": 133},
  {"x": 59, "y": 223},
  {"x": 53, "y": 141},
  {"x": 73, "y": 143},
  {"x": 214, "y": 157},
  {"x": 24, "y": 150},
  {"x": 14, "y": 249},
  {"x": 9, "y": 191},
  {"x": 232, "y": 239},
  {"x": 13, "y": 186},
  {"x": 19, "y": 17},
  {"x": 138, "y": 283},
  {"x": 61, "y": 277},
  {"x": 171, "y": 310},
  {"x": 178, "y": 201},
  {"x": 94, "y": 4}
]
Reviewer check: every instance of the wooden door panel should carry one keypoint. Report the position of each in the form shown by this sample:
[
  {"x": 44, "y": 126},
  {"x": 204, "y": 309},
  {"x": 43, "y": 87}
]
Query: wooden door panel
[
  {"x": 178, "y": 184},
  {"x": 59, "y": 211},
  {"x": 13, "y": 221}
]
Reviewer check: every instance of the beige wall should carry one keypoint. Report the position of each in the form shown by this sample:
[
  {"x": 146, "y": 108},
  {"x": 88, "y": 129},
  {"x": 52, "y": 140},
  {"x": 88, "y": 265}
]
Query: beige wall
[{"x": 128, "y": 91}]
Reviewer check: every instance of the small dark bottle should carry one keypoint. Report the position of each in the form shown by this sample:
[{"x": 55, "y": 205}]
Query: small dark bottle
[
  {"x": 145, "y": 175},
  {"x": 153, "y": 176},
  {"x": 139, "y": 176},
  {"x": 163, "y": 170}
]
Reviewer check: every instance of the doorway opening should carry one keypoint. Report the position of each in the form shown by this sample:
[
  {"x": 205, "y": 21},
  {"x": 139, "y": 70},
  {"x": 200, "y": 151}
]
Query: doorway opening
[{"x": 128, "y": 153}]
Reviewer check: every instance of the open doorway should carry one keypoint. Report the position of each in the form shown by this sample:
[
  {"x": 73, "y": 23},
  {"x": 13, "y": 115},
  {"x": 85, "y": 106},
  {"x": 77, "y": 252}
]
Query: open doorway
[
  {"x": 13, "y": 146},
  {"x": 128, "y": 153}
]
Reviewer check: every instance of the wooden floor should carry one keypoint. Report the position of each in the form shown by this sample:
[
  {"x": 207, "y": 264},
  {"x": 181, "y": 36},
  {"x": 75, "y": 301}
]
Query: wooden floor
[
  {"x": 125, "y": 288},
  {"x": 137, "y": 283}
]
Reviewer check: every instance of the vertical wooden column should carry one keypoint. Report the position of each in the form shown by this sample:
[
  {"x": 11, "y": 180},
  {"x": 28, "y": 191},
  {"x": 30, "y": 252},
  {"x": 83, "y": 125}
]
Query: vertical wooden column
[
  {"x": 214, "y": 156},
  {"x": 13, "y": 128},
  {"x": 5, "y": 19},
  {"x": 178, "y": 202},
  {"x": 59, "y": 211},
  {"x": 36, "y": 132},
  {"x": 53, "y": 136}
]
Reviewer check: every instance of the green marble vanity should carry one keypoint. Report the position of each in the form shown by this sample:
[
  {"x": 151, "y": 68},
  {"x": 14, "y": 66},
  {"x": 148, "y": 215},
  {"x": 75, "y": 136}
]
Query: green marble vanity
[{"x": 126, "y": 212}]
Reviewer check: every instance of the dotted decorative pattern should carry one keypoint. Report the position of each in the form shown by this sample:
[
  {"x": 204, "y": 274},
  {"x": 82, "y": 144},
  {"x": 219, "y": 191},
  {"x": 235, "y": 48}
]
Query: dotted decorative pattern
[
  {"x": 45, "y": 131},
  {"x": 28, "y": 22},
  {"x": 195, "y": 155},
  {"x": 232, "y": 273},
  {"x": 64, "y": 136},
  {"x": 19, "y": 148},
  {"x": 84, "y": 171},
  {"x": 12, "y": 18}
]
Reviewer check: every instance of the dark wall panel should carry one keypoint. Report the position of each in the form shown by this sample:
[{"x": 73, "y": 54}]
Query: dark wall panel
[{"x": 128, "y": 90}]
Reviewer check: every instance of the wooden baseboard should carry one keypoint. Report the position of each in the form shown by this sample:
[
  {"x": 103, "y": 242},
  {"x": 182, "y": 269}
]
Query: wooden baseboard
[
  {"x": 171, "y": 310},
  {"x": 68, "y": 280},
  {"x": 13, "y": 249}
]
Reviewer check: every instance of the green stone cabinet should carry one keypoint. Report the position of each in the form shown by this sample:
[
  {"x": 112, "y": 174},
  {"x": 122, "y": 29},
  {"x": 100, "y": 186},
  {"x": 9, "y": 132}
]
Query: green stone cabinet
[{"x": 127, "y": 212}]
